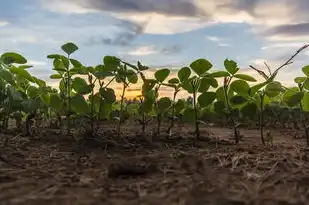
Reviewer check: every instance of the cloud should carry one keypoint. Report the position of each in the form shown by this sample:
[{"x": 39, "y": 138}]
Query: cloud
[
  {"x": 36, "y": 63},
  {"x": 170, "y": 16},
  {"x": 129, "y": 31},
  {"x": 224, "y": 45},
  {"x": 214, "y": 38},
  {"x": 220, "y": 41},
  {"x": 151, "y": 50},
  {"x": 4, "y": 23},
  {"x": 165, "y": 7},
  {"x": 301, "y": 29},
  {"x": 142, "y": 51},
  {"x": 283, "y": 45}
]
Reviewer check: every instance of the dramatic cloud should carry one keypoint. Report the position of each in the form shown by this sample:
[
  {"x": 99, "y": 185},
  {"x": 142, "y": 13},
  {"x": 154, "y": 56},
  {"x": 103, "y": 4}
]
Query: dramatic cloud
[
  {"x": 301, "y": 29},
  {"x": 165, "y": 7},
  {"x": 124, "y": 37}
]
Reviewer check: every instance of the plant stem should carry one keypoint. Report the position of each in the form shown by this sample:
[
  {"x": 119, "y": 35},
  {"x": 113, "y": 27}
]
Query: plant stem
[
  {"x": 304, "y": 123},
  {"x": 197, "y": 129},
  {"x": 92, "y": 112},
  {"x": 173, "y": 113},
  {"x": 262, "y": 95},
  {"x": 69, "y": 100},
  {"x": 227, "y": 102},
  {"x": 302, "y": 117},
  {"x": 121, "y": 109}
]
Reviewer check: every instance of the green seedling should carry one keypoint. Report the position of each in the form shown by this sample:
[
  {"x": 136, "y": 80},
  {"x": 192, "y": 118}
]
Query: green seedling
[
  {"x": 270, "y": 87},
  {"x": 65, "y": 72},
  {"x": 197, "y": 84}
]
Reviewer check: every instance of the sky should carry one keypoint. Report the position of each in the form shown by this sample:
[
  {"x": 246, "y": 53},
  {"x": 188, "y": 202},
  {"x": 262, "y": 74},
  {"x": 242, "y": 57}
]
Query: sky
[{"x": 159, "y": 33}]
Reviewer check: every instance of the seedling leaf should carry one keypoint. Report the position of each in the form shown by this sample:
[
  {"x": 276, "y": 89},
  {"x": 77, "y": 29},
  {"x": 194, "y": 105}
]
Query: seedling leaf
[
  {"x": 162, "y": 74},
  {"x": 206, "y": 98},
  {"x": 200, "y": 66},
  {"x": 69, "y": 48}
]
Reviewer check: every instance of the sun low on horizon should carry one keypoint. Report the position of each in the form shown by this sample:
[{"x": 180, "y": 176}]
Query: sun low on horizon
[{"x": 159, "y": 33}]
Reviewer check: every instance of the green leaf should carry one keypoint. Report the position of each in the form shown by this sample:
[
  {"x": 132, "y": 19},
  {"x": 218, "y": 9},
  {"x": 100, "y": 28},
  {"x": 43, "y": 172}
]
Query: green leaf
[
  {"x": 231, "y": 66},
  {"x": 219, "y": 74},
  {"x": 11, "y": 57},
  {"x": 305, "y": 70},
  {"x": 60, "y": 70},
  {"x": 147, "y": 105},
  {"x": 163, "y": 104},
  {"x": 184, "y": 74},
  {"x": 300, "y": 80},
  {"x": 189, "y": 115},
  {"x": 32, "y": 92},
  {"x": 206, "y": 98},
  {"x": 254, "y": 89},
  {"x": 179, "y": 105},
  {"x": 80, "y": 70},
  {"x": 53, "y": 56},
  {"x": 76, "y": 63},
  {"x": 162, "y": 74},
  {"x": 219, "y": 107},
  {"x": 108, "y": 95},
  {"x": 81, "y": 86},
  {"x": 56, "y": 76},
  {"x": 132, "y": 76},
  {"x": 69, "y": 48},
  {"x": 111, "y": 63},
  {"x": 30, "y": 105},
  {"x": 249, "y": 110},
  {"x": 141, "y": 67},
  {"x": 306, "y": 84},
  {"x": 103, "y": 74},
  {"x": 148, "y": 85},
  {"x": 79, "y": 104},
  {"x": 200, "y": 66},
  {"x": 24, "y": 73},
  {"x": 273, "y": 89},
  {"x": 211, "y": 81},
  {"x": 295, "y": 99},
  {"x": 55, "y": 101},
  {"x": 106, "y": 111},
  {"x": 204, "y": 85},
  {"x": 187, "y": 85},
  {"x": 245, "y": 77},
  {"x": 240, "y": 87},
  {"x": 14, "y": 94},
  {"x": 65, "y": 61},
  {"x": 7, "y": 76},
  {"x": 25, "y": 66},
  {"x": 305, "y": 102},
  {"x": 238, "y": 100},
  {"x": 173, "y": 81},
  {"x": 39, "y": 82}
]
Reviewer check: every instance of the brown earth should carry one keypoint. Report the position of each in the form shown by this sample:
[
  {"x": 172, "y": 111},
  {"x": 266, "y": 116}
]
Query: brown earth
[{"x": 184, "y": 172}]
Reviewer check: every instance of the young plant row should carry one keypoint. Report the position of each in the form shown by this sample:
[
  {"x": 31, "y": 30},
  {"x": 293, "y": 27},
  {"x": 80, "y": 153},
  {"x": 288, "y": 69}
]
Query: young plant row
[{"x": 86, "y": 91}]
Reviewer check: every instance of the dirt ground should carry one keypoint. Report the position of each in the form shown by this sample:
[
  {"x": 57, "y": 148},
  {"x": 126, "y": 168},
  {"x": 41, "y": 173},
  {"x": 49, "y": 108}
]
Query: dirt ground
[{"x": 183, "y": 172}]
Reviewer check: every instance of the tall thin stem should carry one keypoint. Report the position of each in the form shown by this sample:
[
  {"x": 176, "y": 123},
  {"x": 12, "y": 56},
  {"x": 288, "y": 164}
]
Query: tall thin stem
[
  {"x": 173, "y": 112},
  {"x": 121, "y": 109},
  {"x": 69, "y": 99},
  {"x": 197, "y": 129},
  {"x": 262, "y": 95},
  {"x": 229, "y": 107}
]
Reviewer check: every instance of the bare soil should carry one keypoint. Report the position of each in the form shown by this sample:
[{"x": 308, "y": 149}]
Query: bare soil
[{"x": 183, "y": 171}]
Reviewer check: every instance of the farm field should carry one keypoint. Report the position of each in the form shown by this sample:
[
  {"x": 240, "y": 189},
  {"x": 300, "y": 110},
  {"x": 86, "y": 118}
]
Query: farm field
[
  {"x": 233, "y": 140},
  {"x": 179, "y": 171}
]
